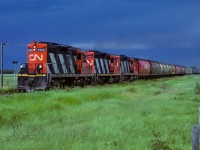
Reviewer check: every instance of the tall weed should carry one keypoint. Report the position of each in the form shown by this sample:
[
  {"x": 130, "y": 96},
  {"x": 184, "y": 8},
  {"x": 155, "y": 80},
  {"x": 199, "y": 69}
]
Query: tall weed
[{"x": 197, "y": 89}]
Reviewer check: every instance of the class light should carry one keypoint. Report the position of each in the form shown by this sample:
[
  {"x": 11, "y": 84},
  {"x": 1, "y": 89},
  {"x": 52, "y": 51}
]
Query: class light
[{"x": 34, "y": 48}]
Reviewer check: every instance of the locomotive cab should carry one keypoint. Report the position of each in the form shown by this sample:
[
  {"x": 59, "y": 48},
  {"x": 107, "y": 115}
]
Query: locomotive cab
[
  {"x": 33, "y": 74},
  {"x": 114, "y": 64},
  {"x": 37, "y": 58},
  {"x": 84, "y": 62}
]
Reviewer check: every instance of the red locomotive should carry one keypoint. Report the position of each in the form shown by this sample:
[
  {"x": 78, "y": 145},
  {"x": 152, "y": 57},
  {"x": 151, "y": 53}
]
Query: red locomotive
[{"x": 51, "y": 64}]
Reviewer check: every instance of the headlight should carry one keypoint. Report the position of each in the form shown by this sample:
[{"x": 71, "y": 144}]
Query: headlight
[
  {"x": 21, "y": 66},
  {"x": 40, "y": 66}
]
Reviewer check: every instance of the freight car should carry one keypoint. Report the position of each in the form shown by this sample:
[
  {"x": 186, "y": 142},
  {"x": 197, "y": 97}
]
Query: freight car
[{"x": 51, "y": 64}]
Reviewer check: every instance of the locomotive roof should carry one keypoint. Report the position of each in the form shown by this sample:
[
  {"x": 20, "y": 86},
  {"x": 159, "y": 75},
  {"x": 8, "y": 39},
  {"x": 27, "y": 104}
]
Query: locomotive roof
[
  {"x": 99, "y": 52},
  {"x": 56, "y": 44}
]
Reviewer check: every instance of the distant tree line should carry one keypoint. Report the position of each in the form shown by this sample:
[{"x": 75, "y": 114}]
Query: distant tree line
[{"x": 7, "y": 71}]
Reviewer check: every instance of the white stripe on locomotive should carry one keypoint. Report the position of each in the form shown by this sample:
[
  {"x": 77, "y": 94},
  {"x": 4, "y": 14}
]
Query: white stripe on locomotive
[
  {"x": 122, "y": 67},
  {"x": 127, "y": 63},
  {"x": 53, "y": 60},
  {"x": 102, "y": 65},
  {"x": 70, "y": 64},
  {"x": 106, "y": 62},
  {"x": 62, "y": 63},
  {"x": 97, "y": 65},
  {"x": 125, "y": 67}
]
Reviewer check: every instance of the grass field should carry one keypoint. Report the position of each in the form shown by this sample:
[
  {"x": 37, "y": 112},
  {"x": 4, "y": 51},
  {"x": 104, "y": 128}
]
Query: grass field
[
  {"x": 147, "y": 115},
  {"x": 9, "y": 81}
]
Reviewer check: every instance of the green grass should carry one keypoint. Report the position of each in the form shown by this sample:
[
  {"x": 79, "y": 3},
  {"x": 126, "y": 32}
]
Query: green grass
[
  {"x": 9, "y": 84},
  {"x": 9, "y": 80},
  {"x": 154, "y": 114}
]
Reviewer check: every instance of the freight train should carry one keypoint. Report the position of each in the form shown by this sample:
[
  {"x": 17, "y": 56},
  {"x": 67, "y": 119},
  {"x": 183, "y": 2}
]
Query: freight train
[{"x": 55, "y": 65}]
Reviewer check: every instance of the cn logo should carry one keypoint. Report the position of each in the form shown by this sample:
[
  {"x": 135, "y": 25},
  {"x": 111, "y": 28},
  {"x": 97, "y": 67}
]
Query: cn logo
[{"x": 34, "y": 57}]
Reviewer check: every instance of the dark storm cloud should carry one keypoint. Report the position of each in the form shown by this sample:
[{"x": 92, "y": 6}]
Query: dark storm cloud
[
  {"x": 13, "y": 6},
  {"x": 153, "y": 24},
  {"x": 153, "y": 29}
]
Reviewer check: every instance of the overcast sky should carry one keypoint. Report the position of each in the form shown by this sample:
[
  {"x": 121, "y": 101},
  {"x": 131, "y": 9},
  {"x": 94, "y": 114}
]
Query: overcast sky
[{"x": 160, "y": 30}]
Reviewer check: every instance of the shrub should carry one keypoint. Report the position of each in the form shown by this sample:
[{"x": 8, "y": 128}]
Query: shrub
[
  {"x": 158, "y": 143},
  {"x": 2, "y": 119},
  {"x": 17, "y": 116},
  {"x": 132, "y": 89},
  {"x": 9, "y": 90},
  {"x": 197, "y": 89}
]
